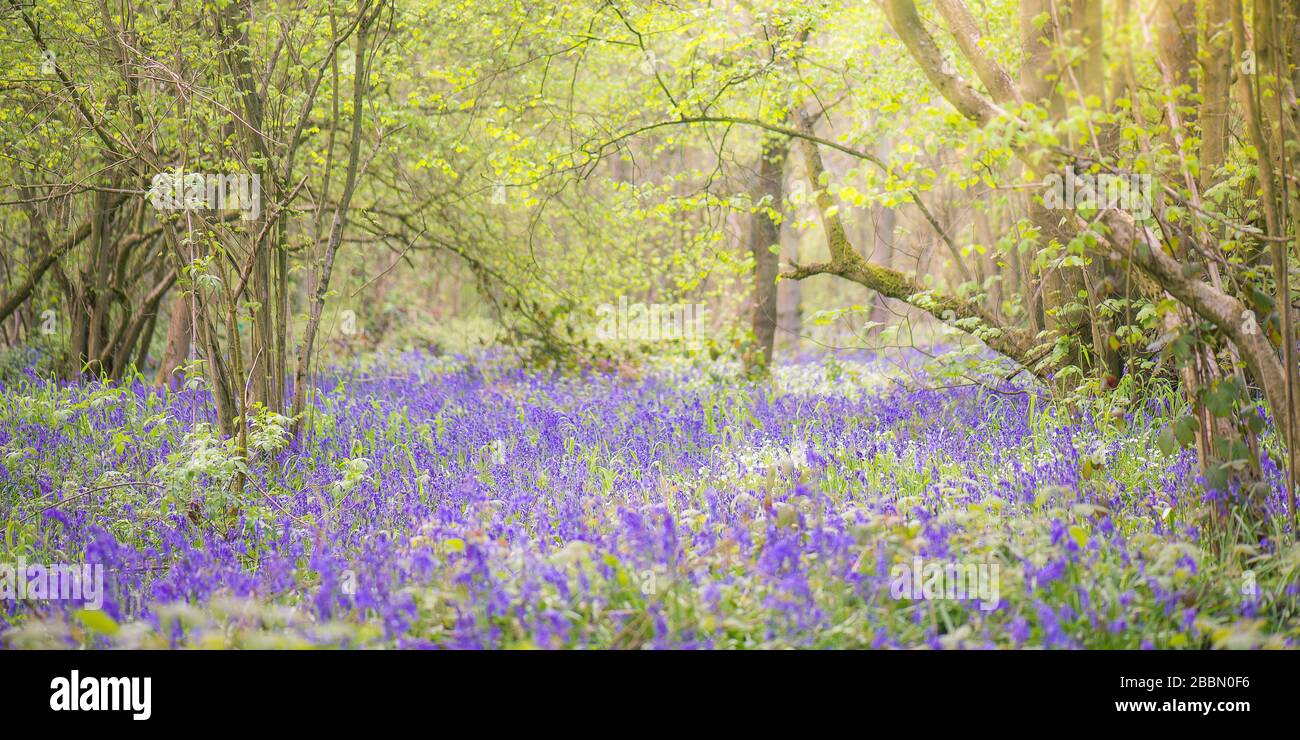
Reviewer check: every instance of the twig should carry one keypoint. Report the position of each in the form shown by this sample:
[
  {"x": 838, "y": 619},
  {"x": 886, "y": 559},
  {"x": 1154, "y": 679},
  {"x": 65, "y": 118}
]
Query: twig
[{"x": 85, "y": 493}]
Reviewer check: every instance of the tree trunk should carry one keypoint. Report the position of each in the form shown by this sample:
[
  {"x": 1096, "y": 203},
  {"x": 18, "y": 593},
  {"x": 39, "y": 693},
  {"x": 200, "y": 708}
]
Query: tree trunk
[
  {"x": 765, "y": 248},
  {"x": 179, "y": 333},
  {"x": 340, "y": 219},
  {"x": 789, "y": 296}
]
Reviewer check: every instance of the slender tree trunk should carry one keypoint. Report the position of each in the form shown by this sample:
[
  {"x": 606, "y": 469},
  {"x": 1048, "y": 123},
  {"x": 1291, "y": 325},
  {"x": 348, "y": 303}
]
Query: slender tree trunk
[
  {"x": 789, "y": 295},
  {"x": 179, "y": 331},
  {"x": 1042, "y": 23},
  {"x": 765, "y": 248},
  {"x": 337, "y": 225}
]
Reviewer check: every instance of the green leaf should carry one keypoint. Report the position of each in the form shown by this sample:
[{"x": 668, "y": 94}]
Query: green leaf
[
  {"x": 1220, "y": 400},
  {"x": 96, "y": 621},
  {"x": 1079, "y": 534},
  {"x": 1167, "y": 442},
  {"x": 1216, "y": 477},
  {"x": 1185, "y": 430}
]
